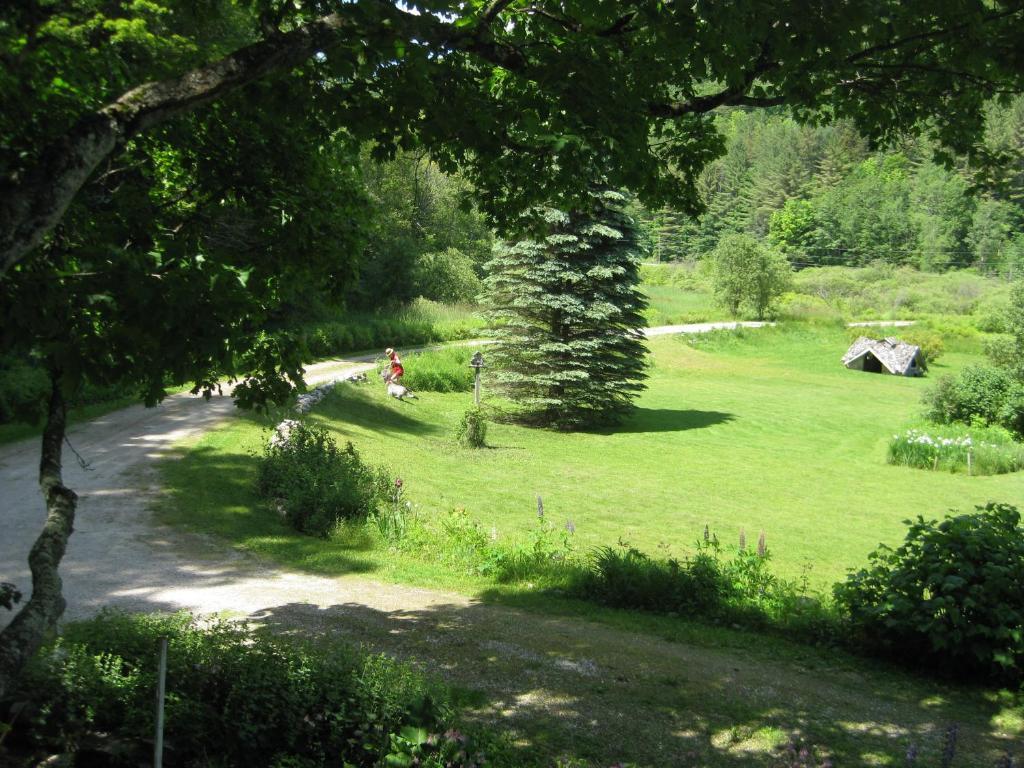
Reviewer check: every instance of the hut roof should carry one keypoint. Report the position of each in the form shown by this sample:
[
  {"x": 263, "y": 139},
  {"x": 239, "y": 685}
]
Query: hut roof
[{"x": 898, "y": 357}]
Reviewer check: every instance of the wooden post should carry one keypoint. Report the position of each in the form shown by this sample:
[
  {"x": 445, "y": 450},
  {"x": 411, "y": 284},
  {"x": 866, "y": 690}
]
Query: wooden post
[
  {"x": 161, "y": 682},
  {"x": 476, "y": 388}
]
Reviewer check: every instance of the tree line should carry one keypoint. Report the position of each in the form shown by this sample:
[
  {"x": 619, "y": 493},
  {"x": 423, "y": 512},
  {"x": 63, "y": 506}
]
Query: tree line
[{"x": 823, "y": 197}]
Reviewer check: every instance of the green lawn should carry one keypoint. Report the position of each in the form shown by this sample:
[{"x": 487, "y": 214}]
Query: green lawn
[{"x": 762, "y": 431}]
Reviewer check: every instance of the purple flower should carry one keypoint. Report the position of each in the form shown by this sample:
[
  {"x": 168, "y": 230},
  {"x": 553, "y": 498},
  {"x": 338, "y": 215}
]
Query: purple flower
[
  {"x": 570, "y": 527},
  {"x": 398, "y": 482},
  {"x": 540, "y": 507}
]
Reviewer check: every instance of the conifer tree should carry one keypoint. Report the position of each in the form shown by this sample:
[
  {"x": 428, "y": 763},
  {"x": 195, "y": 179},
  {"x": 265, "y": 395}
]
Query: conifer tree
[{"x": 565, "y": 314}]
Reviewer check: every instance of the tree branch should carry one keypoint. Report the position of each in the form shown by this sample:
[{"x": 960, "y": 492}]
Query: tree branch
[
  {"x": 30, "y": 207},
  {"x": 23, "y": 636}
]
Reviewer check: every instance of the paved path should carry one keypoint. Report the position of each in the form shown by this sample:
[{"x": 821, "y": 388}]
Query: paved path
[{"x": 545, "y": 675}]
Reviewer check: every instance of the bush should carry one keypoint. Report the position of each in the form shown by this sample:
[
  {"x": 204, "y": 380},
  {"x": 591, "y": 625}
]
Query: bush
[
  {"x": 931, "y": 343},
  {"x": 978, "y": 395},
  {"x": 447, "y": 276},
  {"x": 979, "y": 451},
  {"x": 950, "y": 596},
  {"x": 630, "y": 579},
  {"x": 471, "y": 431},
  {"x": 316, "y": 484},
  {"x": 246, "y": 697}
]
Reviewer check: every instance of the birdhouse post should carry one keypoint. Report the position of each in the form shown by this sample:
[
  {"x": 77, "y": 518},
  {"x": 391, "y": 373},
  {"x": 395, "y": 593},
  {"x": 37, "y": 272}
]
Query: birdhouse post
[{"x": 476, "y": 363}]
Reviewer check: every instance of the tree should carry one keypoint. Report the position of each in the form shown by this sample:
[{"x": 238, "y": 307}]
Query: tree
[
  {"x": 526, "y": 98},
  {"x": 566, "y": 316},
  {"x": 1008, "y": 352},
  {"x": 168, "y": 268},
  {"x": 747, "y": 275},
  {"x": 533, "y": 97}
]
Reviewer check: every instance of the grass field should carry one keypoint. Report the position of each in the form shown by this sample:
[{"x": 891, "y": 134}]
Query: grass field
[{"x": 761, "y": 430}]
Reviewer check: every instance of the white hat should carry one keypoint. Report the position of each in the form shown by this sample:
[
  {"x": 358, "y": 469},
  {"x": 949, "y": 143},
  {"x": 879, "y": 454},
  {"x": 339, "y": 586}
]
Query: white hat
[{"x": 388, "y": 351}]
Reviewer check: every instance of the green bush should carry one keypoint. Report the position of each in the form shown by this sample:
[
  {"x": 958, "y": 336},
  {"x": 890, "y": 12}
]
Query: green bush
[
  {"x": 931, "y": 342},
  {"x": 447, "y": 276},
  {"x": 950, "y": 596},
  {"x": 471, "y": 431},
  {"x": 630, "y": 579},
  {"x": 978, "y": 395},
  {"x": 24, "y": 390},
  {"x": 247, "y": 698},
  {"x": 439, "y": 370},
  {"x": 317, "y": 484},
  {"x": 977, "y": 450}
]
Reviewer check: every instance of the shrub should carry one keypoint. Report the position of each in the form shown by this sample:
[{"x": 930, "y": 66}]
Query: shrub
[
  {"x": 246, "y": 697},
  {"x": 628, "y": 578},
  {"x": 24, "y": 390},
  {"x": 931, "y": 343},
  {"x": 949, "y": 596},
  {"x": 446, "y": 276},
  {"x": 979, "y": 451},
  {"x": 471, "y": 431},
  {"x": 978, "y": 395},
  {"x": 317, "y": 484}
]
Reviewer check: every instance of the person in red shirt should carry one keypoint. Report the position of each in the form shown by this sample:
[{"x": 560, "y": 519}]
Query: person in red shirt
[{"x": 396, "y": 365}]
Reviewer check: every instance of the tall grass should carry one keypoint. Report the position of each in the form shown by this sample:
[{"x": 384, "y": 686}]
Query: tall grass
[
  {"x": 886, "y": 292},
  {"x": 439, "y": 370},
  {"x": 422, "y": 322},
  {"x": 980, "y": 451}
]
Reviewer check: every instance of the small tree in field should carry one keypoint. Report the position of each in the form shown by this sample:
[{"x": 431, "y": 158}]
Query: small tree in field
[
  {"x": 748, "y": 276},
  {"x": 565, "y": 314}
]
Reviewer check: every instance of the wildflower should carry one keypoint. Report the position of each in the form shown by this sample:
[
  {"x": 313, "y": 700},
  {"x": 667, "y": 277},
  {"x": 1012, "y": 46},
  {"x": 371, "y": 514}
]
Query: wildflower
[
  {"x": 707, "y": 534},
  {"x": 743, "y": 540},
  {"x": 540, "y": 507},
  {"x": 570, "y": 527},
  {"x": 761, "y": 548},
  {"x": 398, "y": 482}
]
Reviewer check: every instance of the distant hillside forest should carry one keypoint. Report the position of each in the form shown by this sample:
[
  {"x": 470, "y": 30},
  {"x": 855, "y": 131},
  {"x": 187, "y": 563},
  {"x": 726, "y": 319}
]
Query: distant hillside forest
[
  {"x": 823, "y": 197},
  {"x": 818, "y": 194}
]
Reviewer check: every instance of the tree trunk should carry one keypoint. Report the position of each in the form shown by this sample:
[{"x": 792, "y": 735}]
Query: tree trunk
[{"x": 23, "y": 636}]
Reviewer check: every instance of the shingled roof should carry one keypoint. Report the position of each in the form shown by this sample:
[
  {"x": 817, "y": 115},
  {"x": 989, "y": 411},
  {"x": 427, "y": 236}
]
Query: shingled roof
[{"x": 896, "y": 357}]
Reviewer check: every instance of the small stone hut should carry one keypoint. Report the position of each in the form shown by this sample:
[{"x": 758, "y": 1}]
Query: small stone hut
[{"x": 890, "y": 355}]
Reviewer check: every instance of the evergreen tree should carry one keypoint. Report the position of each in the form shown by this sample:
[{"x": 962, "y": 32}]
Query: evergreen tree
[{"x": 565, "y": 313}]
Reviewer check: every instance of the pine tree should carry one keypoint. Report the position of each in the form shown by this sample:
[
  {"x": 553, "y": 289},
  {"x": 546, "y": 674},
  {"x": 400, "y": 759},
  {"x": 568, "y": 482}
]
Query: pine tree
[{"x": 565, "y": 313}]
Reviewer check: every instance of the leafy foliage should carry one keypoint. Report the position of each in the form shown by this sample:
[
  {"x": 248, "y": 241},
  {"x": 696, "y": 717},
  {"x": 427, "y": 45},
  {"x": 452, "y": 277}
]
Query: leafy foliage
[
  {"x": 948, "y": 596},
  {"x": 979, "y": 394},
  {"x": 261, "y": 700},
  {"x": 1008, "y": 353},
  {"x": 316, "y": 484},
  {"x": 747, "y": 276},
  {"x": 471, "y": 430},
  {"x": 822, "y": 197},
  {"x": 566, "y": 313}
]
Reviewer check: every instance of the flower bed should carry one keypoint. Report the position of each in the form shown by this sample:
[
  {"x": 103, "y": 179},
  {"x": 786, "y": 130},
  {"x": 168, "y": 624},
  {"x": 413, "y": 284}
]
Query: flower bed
[{"x": 982, "y": 451}]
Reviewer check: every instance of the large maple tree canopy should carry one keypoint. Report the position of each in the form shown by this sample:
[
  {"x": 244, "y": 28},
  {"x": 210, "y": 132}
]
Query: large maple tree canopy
[{"x": 527, "y": 96}]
